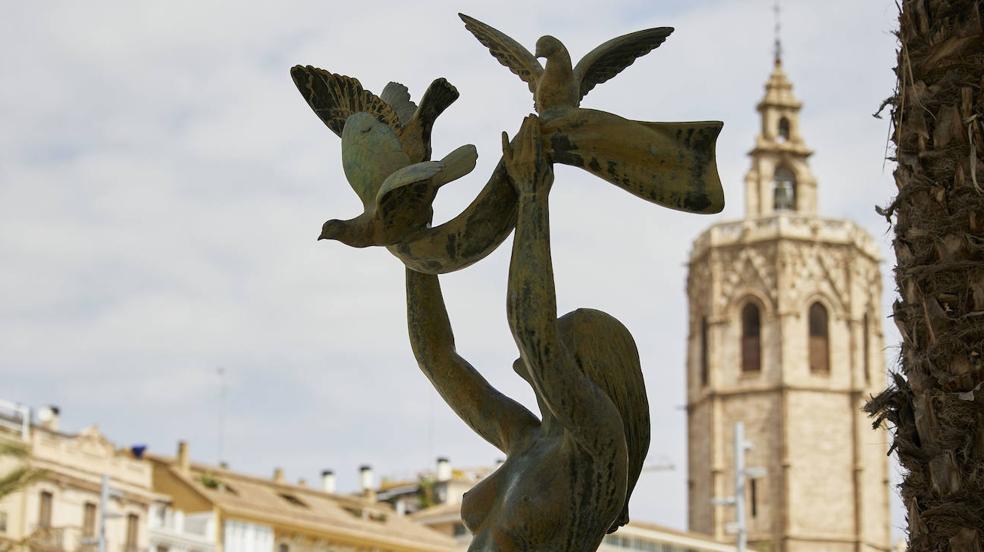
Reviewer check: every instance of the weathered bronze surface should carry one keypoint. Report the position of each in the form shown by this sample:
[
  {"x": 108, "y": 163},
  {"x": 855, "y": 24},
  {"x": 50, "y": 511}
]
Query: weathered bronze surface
[
  {"x": 568, "y": 473},
  {"x": 385, "y": 153}
]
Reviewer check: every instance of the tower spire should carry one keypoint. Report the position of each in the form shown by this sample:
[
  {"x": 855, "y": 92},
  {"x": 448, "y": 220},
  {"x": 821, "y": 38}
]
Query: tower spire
[{"x": 777, "y": 10}]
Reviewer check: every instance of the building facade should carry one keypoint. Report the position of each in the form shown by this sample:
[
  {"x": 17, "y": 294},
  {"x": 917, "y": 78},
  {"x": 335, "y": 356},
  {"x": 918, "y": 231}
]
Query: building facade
[
  {"x": 151, "y": 503},
  {"x": 63, "y": 509},
  {"x": 785, "y": 336},
  {"x": 237, "y": 512}
]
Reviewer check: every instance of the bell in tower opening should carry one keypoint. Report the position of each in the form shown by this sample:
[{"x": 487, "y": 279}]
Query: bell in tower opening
[
  {"x": 783, "y": 129},
  {"x": 784, "y": 192}
]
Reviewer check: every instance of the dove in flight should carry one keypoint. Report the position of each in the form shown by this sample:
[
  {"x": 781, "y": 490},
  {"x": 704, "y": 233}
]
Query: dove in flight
[
  {"x": 385, "y": 153},
  {"x": 560, "y": 86}
]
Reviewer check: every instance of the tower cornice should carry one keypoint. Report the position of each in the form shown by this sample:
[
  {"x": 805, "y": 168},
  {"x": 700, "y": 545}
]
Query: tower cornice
[
  {"x": 784, "y": 226},
  {"x": 788, "y": 148}
]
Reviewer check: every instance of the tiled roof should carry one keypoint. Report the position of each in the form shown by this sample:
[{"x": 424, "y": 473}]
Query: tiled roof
[{"x": 307, "y": 510}]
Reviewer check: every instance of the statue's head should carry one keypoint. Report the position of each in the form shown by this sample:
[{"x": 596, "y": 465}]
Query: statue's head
[
  {"x": 604, "y": 350},
  {"x": 548, "y": 46}
]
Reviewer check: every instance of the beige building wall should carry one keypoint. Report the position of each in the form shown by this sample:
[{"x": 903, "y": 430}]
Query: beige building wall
[
  {"x": 826, "y": 485},
  {"x": 73, "y": 467}
]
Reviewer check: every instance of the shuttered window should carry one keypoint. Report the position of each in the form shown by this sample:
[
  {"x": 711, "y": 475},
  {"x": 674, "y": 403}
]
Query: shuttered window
[
  {"x": 44, "y": 510},
  {"x": 89, "y": 519},
  {"x": 751, "y": 343},
  {"x": 819, "y": 341}
]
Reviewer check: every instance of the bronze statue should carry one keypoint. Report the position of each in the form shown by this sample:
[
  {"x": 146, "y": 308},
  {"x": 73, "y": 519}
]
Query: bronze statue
[{"x": 568, "y": 473}]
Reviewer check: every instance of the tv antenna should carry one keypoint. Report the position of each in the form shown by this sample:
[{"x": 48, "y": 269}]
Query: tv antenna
[{"x": 220, "y": 371}]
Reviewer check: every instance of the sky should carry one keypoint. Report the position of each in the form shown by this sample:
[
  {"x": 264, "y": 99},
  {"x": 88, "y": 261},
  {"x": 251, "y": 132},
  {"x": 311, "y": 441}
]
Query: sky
[{"x": 162, "y": 184}]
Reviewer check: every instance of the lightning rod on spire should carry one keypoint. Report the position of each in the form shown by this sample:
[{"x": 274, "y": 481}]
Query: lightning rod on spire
[{"x": 777, "y": 10}]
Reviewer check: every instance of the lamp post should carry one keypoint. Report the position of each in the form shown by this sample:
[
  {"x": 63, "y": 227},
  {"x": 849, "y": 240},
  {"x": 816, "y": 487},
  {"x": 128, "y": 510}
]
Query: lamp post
[
  {"x": 106, "y": 492},
  {"x": 742, "y": 473}
]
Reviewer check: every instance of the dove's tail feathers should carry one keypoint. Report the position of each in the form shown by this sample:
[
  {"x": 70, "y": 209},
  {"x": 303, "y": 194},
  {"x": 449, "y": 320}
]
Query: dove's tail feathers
[
  {"x": 398, "y": 97},
  {"x": 439, "y": 95},
  {"x": 458, "y": 163}
]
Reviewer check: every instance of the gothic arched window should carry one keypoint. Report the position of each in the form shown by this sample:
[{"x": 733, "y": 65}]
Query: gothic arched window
[
  {"x": 783, "y": 129},
  {"x": 751, "y": 342},
  {"x": 784, "y": 190},
  {"x": 819, "y": 342}
]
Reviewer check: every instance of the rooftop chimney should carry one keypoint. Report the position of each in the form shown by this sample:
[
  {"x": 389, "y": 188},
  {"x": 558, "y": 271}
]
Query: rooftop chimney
[
  {"x": 184, "y": 464},
  {"x": 48, "y": 417},
  {"x": 366, "y": 482},
  {"x": 278, "y": 475},
  {"x": 443, "y": 469},
  {"x": 328, "y": 481},
  {"x": 302, "y": 482}
]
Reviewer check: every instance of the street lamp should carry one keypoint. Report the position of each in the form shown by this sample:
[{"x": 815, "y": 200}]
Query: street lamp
[{"x": 740, "y": 526}]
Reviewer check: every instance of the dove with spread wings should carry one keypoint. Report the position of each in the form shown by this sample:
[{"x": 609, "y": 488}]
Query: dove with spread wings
[
  {"x": 559, "y": 85},
  {"x": 671, "y": 164},
  {"x": 385, "y": 153}
]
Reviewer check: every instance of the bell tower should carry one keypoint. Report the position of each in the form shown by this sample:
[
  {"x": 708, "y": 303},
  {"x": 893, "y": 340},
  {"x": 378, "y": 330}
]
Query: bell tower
[
  {"x": 779, "y": 178},
  {"x": 785, "y": 335}
]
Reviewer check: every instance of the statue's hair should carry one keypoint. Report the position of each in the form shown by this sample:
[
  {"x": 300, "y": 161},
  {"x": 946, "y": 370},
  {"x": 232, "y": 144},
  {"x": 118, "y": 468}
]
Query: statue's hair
[{"x": 605, "y": 351}]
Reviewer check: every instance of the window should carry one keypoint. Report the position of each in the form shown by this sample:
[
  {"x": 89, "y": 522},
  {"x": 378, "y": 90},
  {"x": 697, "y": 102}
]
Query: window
[
  {"x": 132, "y": 529},
  {"x": 44, "y": 510},
  {"x": 751, "y": 347},
  {"x": 703, "y": 351},
  {"x": 293, "y": 500},
  {"x": 283, "y": 548},
  {"x": 783, "y": 129},
  {"x": 89, "y": 519},
  {"x": 753, "y": 497},
  {"x": 866, "y": 340},
  {"x": 3, "y": 522},
  {"x": 819, "y": 346},
  {"x": 162, "y": 548},
  {"x": 784, "y": 190}
]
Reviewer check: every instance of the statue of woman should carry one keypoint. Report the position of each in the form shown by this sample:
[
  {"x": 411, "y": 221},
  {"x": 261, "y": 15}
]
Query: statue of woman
[{"x": 568, "y": 474}]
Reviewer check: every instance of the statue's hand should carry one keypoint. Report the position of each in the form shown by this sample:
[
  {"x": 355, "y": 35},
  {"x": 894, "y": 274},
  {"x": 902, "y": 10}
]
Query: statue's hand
[{"x": 528, "y": 168}]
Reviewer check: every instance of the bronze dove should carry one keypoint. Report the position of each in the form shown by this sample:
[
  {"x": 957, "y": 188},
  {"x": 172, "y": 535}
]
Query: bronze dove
[
  {"x": 560, "y": 86},
  {"x": 385, "y": 153}
]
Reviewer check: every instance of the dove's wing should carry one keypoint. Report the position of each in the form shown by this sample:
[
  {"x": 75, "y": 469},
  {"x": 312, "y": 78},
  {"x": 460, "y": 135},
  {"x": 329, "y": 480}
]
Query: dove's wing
[
  {"x": 398, "y": 97},
  {"x": 438, "y": 96},
  {"x": 608, "y": 60},
  {"x": 510, "y": 53},
  {"x": 334, "y": 97},
  {"x": 458, "y": 163},
  {"x": 407, "y": 176},
  {"x": 405, "y": 198},
  {"x": 416, "y": 135}
]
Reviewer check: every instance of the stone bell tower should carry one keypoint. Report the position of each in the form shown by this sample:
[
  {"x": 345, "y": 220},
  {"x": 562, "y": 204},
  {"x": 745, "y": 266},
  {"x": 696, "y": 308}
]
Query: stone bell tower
[{"x": 785, "y": 336}]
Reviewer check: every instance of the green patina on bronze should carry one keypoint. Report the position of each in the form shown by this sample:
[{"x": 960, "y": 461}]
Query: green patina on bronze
[{"x": 570, "y": 471}]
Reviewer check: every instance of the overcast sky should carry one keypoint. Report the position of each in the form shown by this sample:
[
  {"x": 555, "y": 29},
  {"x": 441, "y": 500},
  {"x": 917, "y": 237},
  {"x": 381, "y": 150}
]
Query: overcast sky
[{"x": 162, "y": 184}]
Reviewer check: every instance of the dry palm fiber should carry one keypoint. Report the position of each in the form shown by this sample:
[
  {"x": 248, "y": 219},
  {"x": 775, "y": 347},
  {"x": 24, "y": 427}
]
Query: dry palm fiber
[{"x": 936, "y": 404}]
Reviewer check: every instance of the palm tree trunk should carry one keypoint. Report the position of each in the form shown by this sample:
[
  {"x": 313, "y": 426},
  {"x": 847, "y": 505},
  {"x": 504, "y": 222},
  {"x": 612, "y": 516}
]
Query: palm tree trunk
[{"x": 937, "y": 403}]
